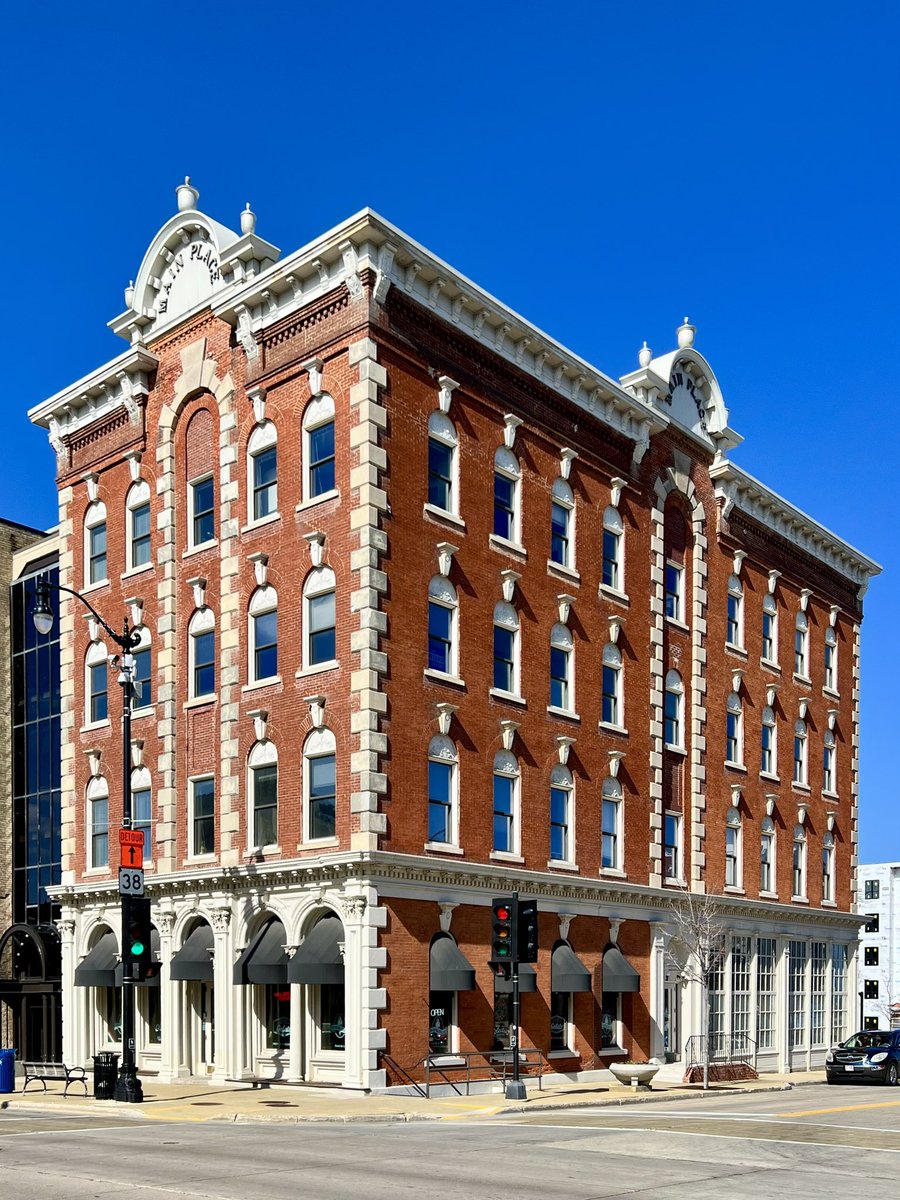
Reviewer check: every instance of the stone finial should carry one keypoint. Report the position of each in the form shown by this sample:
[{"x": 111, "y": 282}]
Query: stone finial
[
  {"x": 447, "y": 387},
  {"x": 685, "y": 334},
  {"x": 645, "y": 356},
  {"x": 563, "y": 746},
  {"x": 510, "y": 424},
  {"x": 445, "y": 552},
  {"x": 445, "y": 713},
  {"x": 509, "y": 578},
  {"x": 615, "y": 758},
  {"x": 248, "y": 220},
  {"x": 446, "y": 914},
  {"x": 566, "y": 457},
  {"x": 316, "y": 710},
  {"x": 564, "y": 603},
  {"x": 260, "y": 719},
  {"x": 187, "y": 195},
  {"x": 260, "y": 561},
  {"x": 316, "y": 542},
  {"x": 314, "y": 368},
  {"x": 508, "y": 733},
  {"x": 129, "y": 294}
]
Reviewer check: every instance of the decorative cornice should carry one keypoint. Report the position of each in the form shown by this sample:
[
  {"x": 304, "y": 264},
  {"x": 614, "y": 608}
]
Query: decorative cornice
[{"x": 117, "y": 384}]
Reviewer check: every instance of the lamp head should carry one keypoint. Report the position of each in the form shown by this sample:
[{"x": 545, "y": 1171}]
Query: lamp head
[{"x": 41, "y": 612}]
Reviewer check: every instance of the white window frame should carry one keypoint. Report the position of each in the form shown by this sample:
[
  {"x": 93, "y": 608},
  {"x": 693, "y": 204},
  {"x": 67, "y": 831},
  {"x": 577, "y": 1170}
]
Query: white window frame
[
  {"x": 193, "y": 780},
  {"x": 734, "y": 842},
  {"x": 142, "y": 781},
  {"x": 202, "y": 622},
  {"x": 770, "y": 611},
  {"x": 735, "y": 614},
  {"x": 96, "y": 657},
  {"x": 801, "y": 646},
  {"x": 677, "y": 594},
  {"x": 506, "y": 617},
  {"x": 320, "y": 411},
  {"x": 138, "y": 497},
  {"x": 262, "y": 754},
  {"x": 97, "y": 792},
  {"x": 678, "y": 877},
  {"x": 734, "y": 730},
  {"x": 828, "y": 854},
  {"x": 442, "y": 594},
  {"x": 321, "y": 743},
  {"x": 561, "y": 493},
  {"x": 263, "y": 437},
  {"x": 441, "y": 429},
  {"x": 769, "y": 722},
  {"x": 615, "y": 528},
  {"x": 319, "y": 582},
  {"x": 830, "y": 661},
  {"x": 506, "y": 766},
  {"x": 442, "y": 750},
  {"x": 561, "y": 780},
  {"x": 263, "y": 601},
  {"x": 144, "y": 645},
  {"x": 674, "y": 686},
  {"x": 93, "y": 519},
  {"x": 193, "y": 484},
  {"x": 611, "y": 664},
  {"x": 800, "y": 773},
  {"x": 507, "y": 465},
  {"x": 799, "y": 864},
  {"x": 612, "y": 793},
  {"x": 561, "y": 639},
  {"x": 829, "y": 763},
  {"x": 768, "y": 835}
]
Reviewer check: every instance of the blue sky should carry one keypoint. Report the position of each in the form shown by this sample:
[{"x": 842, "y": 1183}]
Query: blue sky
[{"x": 604, "y": 168}]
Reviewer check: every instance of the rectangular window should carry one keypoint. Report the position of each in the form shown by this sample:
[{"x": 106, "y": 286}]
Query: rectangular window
[
  {"x": 800, "y": 636},
  {"x": 265, "y": 483},
  {"x": 440, "y": 475},
  {"x": 97, "y": 553},
  {"x": 838, "y": 993},
  {"x": 504, "y": 659},
  {"x": 828, "y": 769},
  {"x": 870, "y": 956},
  {"x": 322, "y": 641},
  {"x": 817, "y": 993},
  {"x": 609, "y": 1020},
  {"x": 321, "y": 460},
  {"x": 767, "y": 760},
  {"x": 733, "y": 737},
  {"x": 765, "y": 993},
  {"x": 559, "y": 533},
  {"x": 797, "y": 994},
  {"x": 609, "y": 822},
  {"x": 99, "y": 699},
  {"x": 733, "y": 632},
  {"x": 332, "y": 1020},
  {"x": 766, "y": 863},
  {"x": 322, "y": 796},
  {"x": 672, "y": 714},
  {"x": 827, "y": 872},
  {"x": 277, "y": 1009},
  {"x": 798, "y": 868},
  {"x": 265, "y": 645},
  {"x": 560, "y": 1020},
  {"x": 674, "y": 591},
  {"x": 100, "y": 832},
  {"x": 870, "y": 989},
  {"x": 265, "y": 805},
  {"x": 203, "y": 838},
  {"x": 717, "y": 1008},
  {"x": 769, "y": 650},
  {"x": 440, "y": 1022},
  {"x": 870, "y": 1023},
  {"x": 504, "y": 813},
  {"x": 440, "y": 802},
  {"x": 559, "y": 824},
  {"x": 143, "y": 679},
  {"x": 559, "y": 677},
  {"x": 505, "y": 507},
  {"x": 141, "y": 817},
  {"x": 872, "y": 921},
  {"x": 672, "y": 846},
  {"x": 872, "y": 889},
  {"x": 205, "y": 664},
  {"x": 609, "y": 708},
  {"x": 440, "y": 638},
  {"x": 610, "y": 568},
  {"x": 140, "y": 535},
  {"x": 732, "y": 857},
  {"x": 830, "y": 675},
  {"x": 203, "y": 525},
  {"x": 740, "y": 988}
]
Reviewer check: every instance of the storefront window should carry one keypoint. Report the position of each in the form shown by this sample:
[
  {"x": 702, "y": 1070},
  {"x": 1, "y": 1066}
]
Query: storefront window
[
  {"x": 502, "y": 1020},
  {"x": 154, "y": 1016},
  {"x": 112, "y": 1003},
  {"x": 440, "y": 1023},
  {"x": 560, "y": 1016},
  {"x": 609, "y": 1020},
  {"x": 331, "y": 1016},
  {"x": 278, "y": 1017}
]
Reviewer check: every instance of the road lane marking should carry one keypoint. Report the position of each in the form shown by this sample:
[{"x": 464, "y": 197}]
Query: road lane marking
[{"x": 819, "y": 1112}]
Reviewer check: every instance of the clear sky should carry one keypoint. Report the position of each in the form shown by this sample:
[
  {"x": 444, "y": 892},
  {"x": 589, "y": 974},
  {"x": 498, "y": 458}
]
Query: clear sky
[{"x": 604, "y": 168}]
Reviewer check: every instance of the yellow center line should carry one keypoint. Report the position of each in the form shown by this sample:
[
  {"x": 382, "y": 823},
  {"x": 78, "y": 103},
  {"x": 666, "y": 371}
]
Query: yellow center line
[{"x": 818, "y": 1112}]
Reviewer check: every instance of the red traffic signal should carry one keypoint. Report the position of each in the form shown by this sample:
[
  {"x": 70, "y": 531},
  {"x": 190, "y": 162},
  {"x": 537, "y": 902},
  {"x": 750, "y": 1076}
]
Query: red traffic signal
[{"x": 503, "y": 930}]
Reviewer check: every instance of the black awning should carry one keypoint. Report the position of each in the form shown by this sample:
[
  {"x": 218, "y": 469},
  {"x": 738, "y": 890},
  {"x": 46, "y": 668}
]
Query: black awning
[
  {"x": 98, "y": 968},
  {"x": 618, "y": 973},
  {"x": 451, "y": 971},
  {"x": 567, "y": 972},
  {"x": 153, "y": 972},
  {"x": 319, "y": 959},
  {"x": 527, "y": 981},
  {"x": 264, "y": 960},
  {"x": 194, "y": 960}
]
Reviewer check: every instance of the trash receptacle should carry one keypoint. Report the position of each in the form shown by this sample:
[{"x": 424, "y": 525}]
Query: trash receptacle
[
  {"x": 106, "y": 1070},
  {"x": 7, "y": 1070}
]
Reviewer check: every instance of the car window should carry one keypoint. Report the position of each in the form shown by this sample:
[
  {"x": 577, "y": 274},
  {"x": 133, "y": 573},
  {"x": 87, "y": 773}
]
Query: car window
[{"x": 868, "y": 1041}]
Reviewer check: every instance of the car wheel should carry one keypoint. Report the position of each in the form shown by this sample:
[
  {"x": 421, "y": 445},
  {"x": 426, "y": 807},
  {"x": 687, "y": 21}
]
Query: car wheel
[{"x": 890, "y": 1075}]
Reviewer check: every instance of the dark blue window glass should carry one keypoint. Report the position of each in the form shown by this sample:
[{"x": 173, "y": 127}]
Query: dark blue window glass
[
  {"x": 143, "y": 679},
  {"x": 504, "y": 787},
  {"x": 322, "y": 796},
  {"x": 321, "y": 460},
  {"x": 440, "y": 629},
  {"x": 440, "y": 474},
  {"x": 265, "y": 646},
  {"x": 204, "y": 523},
  {"x": 504, "y": 507},
  {"x": 265, "y": 485},
  {"x": 440, "y": 800},
  {"x": 205, "y": 664}
]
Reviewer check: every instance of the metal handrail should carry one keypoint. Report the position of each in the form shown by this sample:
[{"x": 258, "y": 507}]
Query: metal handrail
[
  {"x": 495, "y": 1063},
  {"x": 723, "y": 1048}
]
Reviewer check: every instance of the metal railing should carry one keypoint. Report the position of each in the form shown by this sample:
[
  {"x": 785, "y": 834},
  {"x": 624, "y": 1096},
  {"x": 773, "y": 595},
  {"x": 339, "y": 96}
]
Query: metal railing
[
  {"x": 460, "y": 1071},
  {"x": 724, "y": 1049}
]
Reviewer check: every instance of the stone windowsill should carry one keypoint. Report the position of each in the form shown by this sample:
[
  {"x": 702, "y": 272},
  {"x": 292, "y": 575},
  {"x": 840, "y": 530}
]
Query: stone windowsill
[
  {"x": 505, "y": 856},
  {"x": 94, "y": 587},
  {"x": 333, "y": 494},
  {"x": 261, "y": 522},
  {"x": 561, "y": 571},
  {"x": 611, "y": 593},
  {"x": 734, "y": 649},
  {"x": 444, "y": 677},
  {"x": 505, "y": 546},
  {"x": 200, "y": 548},
  {"x": 677, "y": 623},
  {"x": 770, "y": 665},
  {"x": 269, "y": 681},
  {"x": 443, "y": 517},
  {"x": 201, "y": 701},
  {"x": 609, "y": 728},
  {"x": 330, "y": 665},
  {"x": 508, "y": 697},
  {"x": 558, "y": 864},
  {"x": 141, "y": 570},
  {"x": 444, "y": 848},
  {"x": 612, "y": 873},
  {"x": 319, "y": 843},
  {"x": 567, "y": 714},
  {"x": 735, "y": 766}
]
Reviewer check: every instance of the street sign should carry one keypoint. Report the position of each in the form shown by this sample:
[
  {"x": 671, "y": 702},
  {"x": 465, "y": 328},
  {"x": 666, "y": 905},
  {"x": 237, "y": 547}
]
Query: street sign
[
  {"x": 133, "y": 856},
  {"x": 131, "y": 882},
  {"x": 131, "y": 837}
]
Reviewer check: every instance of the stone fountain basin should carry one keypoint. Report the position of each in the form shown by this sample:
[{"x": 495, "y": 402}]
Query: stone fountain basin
[{"x": 636, "y": 1074}]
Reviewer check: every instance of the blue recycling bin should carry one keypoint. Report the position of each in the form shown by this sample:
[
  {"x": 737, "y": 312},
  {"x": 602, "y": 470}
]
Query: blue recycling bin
[{"x": 7, "y": 1070}]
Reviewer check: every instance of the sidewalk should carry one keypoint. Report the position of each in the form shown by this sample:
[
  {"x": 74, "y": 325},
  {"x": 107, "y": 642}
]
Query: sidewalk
[{"x": 196, "y": 1101}]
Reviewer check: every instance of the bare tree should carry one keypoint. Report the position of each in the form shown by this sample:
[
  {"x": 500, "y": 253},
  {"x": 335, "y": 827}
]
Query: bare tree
[{"x": 701, "y": 930}]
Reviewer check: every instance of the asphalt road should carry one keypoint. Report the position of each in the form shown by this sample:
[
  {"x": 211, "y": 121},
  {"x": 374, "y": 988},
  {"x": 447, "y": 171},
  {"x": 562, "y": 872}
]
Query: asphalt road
[{"x": 813, "y": 1142}]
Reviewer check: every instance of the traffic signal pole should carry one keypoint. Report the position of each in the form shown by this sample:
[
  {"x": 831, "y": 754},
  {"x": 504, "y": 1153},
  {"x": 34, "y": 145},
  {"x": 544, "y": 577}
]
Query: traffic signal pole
[{"x": 515, "y": 1088}]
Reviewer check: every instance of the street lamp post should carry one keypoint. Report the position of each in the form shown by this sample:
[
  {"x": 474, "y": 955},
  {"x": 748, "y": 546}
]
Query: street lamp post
[{"x": 128, "y": 1086}]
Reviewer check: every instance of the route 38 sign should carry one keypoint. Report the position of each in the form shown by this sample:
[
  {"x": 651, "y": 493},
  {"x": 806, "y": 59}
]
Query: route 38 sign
[{"x": 131, "y": 881}]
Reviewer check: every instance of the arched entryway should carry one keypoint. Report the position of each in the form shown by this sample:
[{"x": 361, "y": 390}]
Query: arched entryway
[
  {"x": 192, "y": 968},
  {"x": 30, "y": 991},
  {"x": 318, "y": 964}
]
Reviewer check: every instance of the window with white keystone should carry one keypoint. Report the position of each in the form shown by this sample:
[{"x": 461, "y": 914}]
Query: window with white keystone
[
  {"x": 318, "y": 448},
  {"x": 507, "y": 496},
  {"x": 443, "y": 626},
  {"x": 768, "y": 764},
  {"x": 801, "y": 645},
  {"x": 443, "y": 765},
  {"x": 674, "y": 711},
  {"x": 829, "y": 774},
  {"x": 801, "y": 740},
  {"x": 143, "y": 671},
  {"x": 202, "y": 514},
  {"x": 443, "y": 463},
  {"x": 770, "y": 629},
  {"x": 506, "y": 803},
  {"x": 674, "y": 591},
  {"x": 828, "y": 866},
  {"x": 613, "y": 573},
  {"x": 319, "y": 618},
  {"x": 262, "y": 472},
  {"x": 202, "y": 653},
  {"x": 95, "y": 565},
  {"x": 96, "y": 673},
  {"x": 263, "y": 794},
  {"x": 735, "y": 626},
  {"x": 562, "y": 653},
  {"x": 612, "y": 708},
  {"x": 506, "y": 648},
  {"x": 734, "y": 730},
  {"x": 734, "y": 859},
  {"x": 320, "y": 786},
  {"x": 141, "y": 807},
  {"x": 98, "y": 823},
  {"x": 561, "y": 806},
  {"x": 202, "y": 816},
  {"x": 798, "y": 864},
  {"x": 767, "y": 856},
  {"x": 611, "y": 825},
  {"x": 562, "y": 524},
  {"x": 672, "y": 846},
  {"x": 263, "y": 629},
  {"x": 137, "y": 527},
  {"x": 830, "y": 665}
]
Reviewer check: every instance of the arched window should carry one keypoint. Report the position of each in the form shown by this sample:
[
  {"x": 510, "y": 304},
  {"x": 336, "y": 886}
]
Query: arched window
[
  {"x": 734, "y": 730},
  {"x": 319, "y": 618},
  {"x": 674, "y": 711},
  {"x": 506, "y": 648},
  {"x": 562, "y": 841},
  {"x": 443, "y": 639},
  {"x": 443, "y": 463},
  {"x": 95, "y": 568},
  {"x": 801, "y": 645},
  {"x": 202, "y": 653},
  {"x": 507, "y": 496},
  {"x": 141, "y": 807},
  {"x": 612, "y": 709},
  {"x": 768, "y": 764},
  {"x": 262, "y": 472},
  {"x": 767, "y": 856},
  {"x": 263, "y": 796},
  {"x": 613, "y": 568},
  {"x": 443, "y": 764},
  {"x": 798, "y": 873},
  {"x": 506, "y": 803},
  {"x": 770, "y": 629},
  {"x": 96, "y": 683},
  {"x": 143, "y": 671},
  {"x": 831, "y": 649},
  {"x": 263, "y": 640},
  {"x": 318, "y": 448},
  {"x": 137, "y": 525},
  {"x": 829, "y": 774},
  {"x": 801, "y": 774},
  {"x": 734, "y": 865},
  {"x": 735, "y": 629},
  {"x": 98, "y": 823},
  {"x": 319, "y": 786},
  {"x": 562, "y": 653},
  {"x": 828, "y": 866},
  {"x": 562, "y": 524},
  {"x": 611, "y": 825}
]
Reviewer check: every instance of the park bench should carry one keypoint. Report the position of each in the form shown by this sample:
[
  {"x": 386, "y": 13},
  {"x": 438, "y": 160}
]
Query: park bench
[{"x": 44, "y": 1071}]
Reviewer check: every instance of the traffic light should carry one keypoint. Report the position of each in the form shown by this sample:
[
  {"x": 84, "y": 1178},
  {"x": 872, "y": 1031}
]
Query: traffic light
[
  {"x": 136, "y": 955},
  {"x": 503, "y": 930},
  {"x": 527, "y": 922}
]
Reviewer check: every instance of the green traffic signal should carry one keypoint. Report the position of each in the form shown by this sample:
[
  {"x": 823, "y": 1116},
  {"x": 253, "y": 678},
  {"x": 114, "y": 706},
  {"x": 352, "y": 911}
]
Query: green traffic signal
[{"x": 137, "y": 949}]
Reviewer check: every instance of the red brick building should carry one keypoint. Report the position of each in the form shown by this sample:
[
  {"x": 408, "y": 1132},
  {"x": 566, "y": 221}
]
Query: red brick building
[{"x": 432, "y": 609}]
